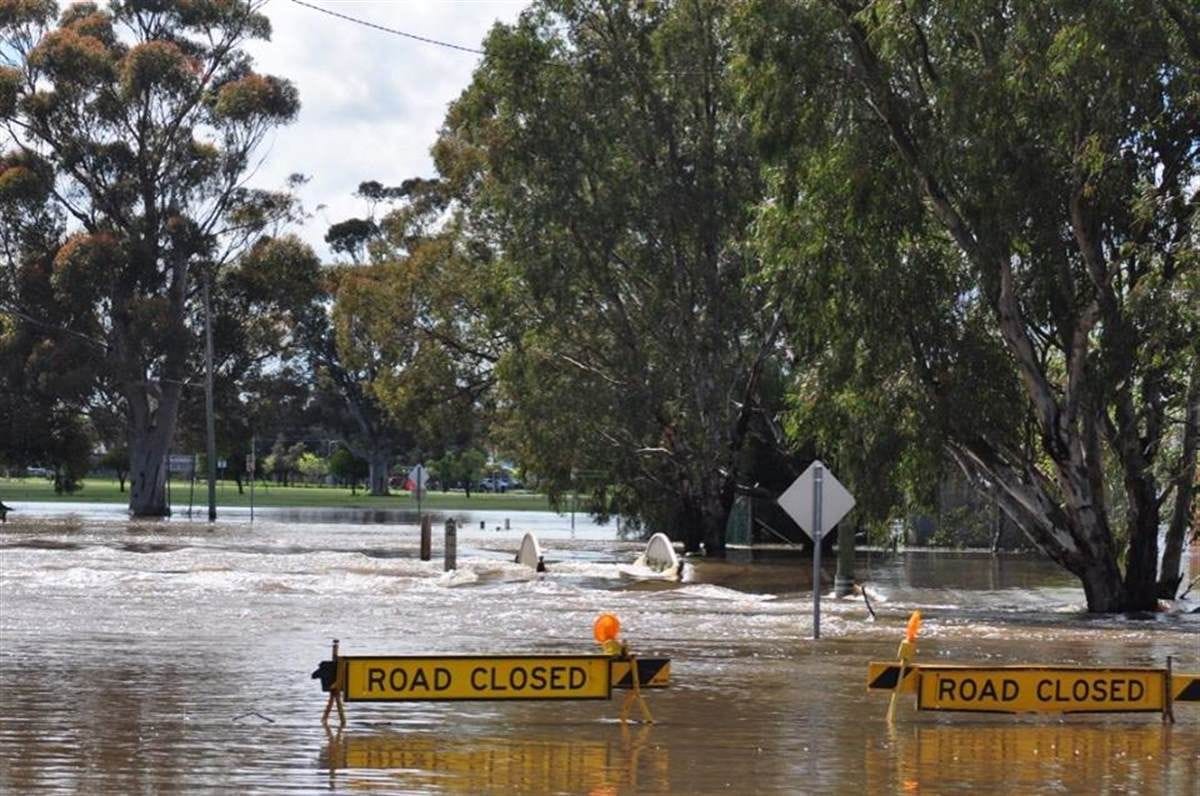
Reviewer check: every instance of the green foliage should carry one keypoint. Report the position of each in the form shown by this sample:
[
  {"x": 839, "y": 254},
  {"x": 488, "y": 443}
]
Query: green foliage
[
  {"x": 988, "y": 213},
  {"x": 350, "y": 237},
  {"x": 10, "y": 86},
  {"x": 82, "y": 266},
  {"x": 117, "y": 460},
  {"x": 604, "y": 177},
  {"x": 466, "y": 466},
  {"x": 347, "y": 467},
  {"x": 25, "y": 181},
  {"x": 155, "y": 65},
  {"x": 470, "y": 466},
  {"x": 399, "y": 364},
  {"x": 14, "y": 13},
  {"x": 312, "y": 466},
  {"x": 143, "y": 116},
  {"x": 255, "y": 97}
]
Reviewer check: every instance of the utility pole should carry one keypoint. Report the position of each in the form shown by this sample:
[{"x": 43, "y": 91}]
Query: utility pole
[
  {"x": 253, "y": 468},
  {"x": 208, "y": 399}
]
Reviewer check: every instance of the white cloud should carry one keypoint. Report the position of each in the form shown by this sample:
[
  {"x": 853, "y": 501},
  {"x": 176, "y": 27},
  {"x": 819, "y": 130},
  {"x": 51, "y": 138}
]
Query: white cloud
[{"x": 371, "y": 102}]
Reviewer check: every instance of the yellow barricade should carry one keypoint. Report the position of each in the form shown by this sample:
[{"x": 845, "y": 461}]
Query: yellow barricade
[
  {"x": 428, "y": 678},
  {"x": 1031, "y": 688}
]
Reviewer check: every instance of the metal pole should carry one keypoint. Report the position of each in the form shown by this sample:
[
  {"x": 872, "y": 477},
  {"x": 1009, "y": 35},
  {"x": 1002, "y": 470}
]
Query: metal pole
[
  {"x": 192, "y": 488},
  {"x": 210, "y": 420},
  {"x": 253, "y": 470},
  {"x": 818, "y": 477}
]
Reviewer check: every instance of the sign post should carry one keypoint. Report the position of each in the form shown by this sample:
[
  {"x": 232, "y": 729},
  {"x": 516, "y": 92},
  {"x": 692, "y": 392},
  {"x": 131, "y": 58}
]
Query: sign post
[
  {"x": 816, "y": 501},
  {"x": 818, "y": 477}
]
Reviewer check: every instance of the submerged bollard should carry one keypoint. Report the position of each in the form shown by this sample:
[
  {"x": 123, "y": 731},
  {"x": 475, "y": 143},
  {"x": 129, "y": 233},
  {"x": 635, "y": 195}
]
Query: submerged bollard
[
  {"x": 426, "y": 539},
  {"x": 451, "y": 545},
  {"x": 843, "y": 580}
]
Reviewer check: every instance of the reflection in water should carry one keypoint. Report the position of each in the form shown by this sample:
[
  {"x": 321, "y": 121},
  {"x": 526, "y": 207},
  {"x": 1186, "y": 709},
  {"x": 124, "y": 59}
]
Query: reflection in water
[
  {"x": 607, "y": 759},
  {"x": 1024, "y": 757}
]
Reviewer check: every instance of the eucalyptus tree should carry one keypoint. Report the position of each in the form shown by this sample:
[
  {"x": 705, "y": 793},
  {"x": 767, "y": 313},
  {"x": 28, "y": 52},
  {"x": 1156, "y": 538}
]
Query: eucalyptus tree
[
  {"x": 604, "y": 179},
  {"x": 46, "y": 381},
  {"x": 40, "y": 395},
  {"x": 1001, "y": 198},
  {"x": 140, "y": 119},
  {"x": 395, "y": 341},
  {"x": 347, "y": 361},
  {"x": 259, "y": 305}
]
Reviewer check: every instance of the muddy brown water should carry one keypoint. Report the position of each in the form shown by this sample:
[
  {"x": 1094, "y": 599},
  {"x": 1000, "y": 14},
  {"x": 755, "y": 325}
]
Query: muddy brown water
[{"x": 175, "y": 657}]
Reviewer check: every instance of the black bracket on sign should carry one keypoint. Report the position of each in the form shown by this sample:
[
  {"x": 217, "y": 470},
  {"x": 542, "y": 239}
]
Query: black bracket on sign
[{"x": 327, "y": 673}]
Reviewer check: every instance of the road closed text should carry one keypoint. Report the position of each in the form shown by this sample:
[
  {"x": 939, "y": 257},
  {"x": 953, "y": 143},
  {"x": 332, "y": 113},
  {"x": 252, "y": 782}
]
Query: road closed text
[
  {"x": 1021, "y": 690},
  {"x": 453, "y": 677}
]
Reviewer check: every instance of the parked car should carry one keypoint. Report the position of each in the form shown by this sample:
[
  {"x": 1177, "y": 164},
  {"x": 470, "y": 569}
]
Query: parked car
[{"x": 39, "y": 472}]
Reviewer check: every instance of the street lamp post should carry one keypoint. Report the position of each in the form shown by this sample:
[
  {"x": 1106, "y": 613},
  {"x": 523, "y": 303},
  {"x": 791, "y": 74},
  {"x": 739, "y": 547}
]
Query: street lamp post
[{"x": 210, "y": 420}]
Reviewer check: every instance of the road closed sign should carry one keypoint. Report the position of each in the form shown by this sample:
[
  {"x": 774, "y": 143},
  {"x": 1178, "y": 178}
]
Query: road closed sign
[
  {"x": 1031, "y": 689},
  {"x": 394, "y": 679}
]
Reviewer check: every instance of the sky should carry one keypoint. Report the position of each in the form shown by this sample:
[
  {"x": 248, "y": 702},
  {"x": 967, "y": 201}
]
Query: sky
[{"x": 371, "y": 102}]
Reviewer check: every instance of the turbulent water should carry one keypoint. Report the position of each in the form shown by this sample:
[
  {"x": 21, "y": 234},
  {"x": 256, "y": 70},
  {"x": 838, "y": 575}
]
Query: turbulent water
[{"x": 165, "y": 657}]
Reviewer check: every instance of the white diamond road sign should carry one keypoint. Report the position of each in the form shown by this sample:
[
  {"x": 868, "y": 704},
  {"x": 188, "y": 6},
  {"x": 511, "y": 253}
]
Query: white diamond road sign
[{"x": 797, "y": 500}]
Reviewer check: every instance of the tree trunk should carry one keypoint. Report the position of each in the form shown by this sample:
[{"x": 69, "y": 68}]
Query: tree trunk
[
  {"x": 378, "y": 462},
  {"x": 1185, "y": 488},
  {"x": 715, "y": 515},
  {"x": 1141, "y": 565},
  {"x": 714, "y": 533},
  {"x": 1103, "y": 588},
  {"x": 1074, "y": 536},
  {"x": 689, "y": 524},
  {"x": 148, "y": 473},
  {"x": 150, "y": 432}
]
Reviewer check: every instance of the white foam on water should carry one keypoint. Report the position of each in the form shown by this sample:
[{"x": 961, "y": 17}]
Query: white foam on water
[
  {"x": 708, "y": 591},
  {"x": 458, "y": 577},
  {"x": 574, "y": 568},
  {"x": 638, "y": 570}
]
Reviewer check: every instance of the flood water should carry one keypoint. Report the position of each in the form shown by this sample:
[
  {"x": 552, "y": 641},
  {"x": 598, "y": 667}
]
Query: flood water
[{"x": 176, "y": 657}]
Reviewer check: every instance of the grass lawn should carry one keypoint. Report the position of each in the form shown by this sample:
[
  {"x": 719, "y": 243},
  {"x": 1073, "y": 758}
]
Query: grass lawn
[{"x": 103, "y": 490}]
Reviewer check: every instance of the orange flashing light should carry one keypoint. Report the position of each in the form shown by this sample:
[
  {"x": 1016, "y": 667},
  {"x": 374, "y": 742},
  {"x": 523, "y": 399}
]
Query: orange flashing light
[
  {"x": 606, "y": 628},
  {"x": 914, "y": 627}
]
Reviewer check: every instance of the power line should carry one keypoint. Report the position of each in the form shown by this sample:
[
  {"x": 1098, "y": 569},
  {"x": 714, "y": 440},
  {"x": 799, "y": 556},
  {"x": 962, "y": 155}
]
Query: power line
[{"x": 386, "y": 29}]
